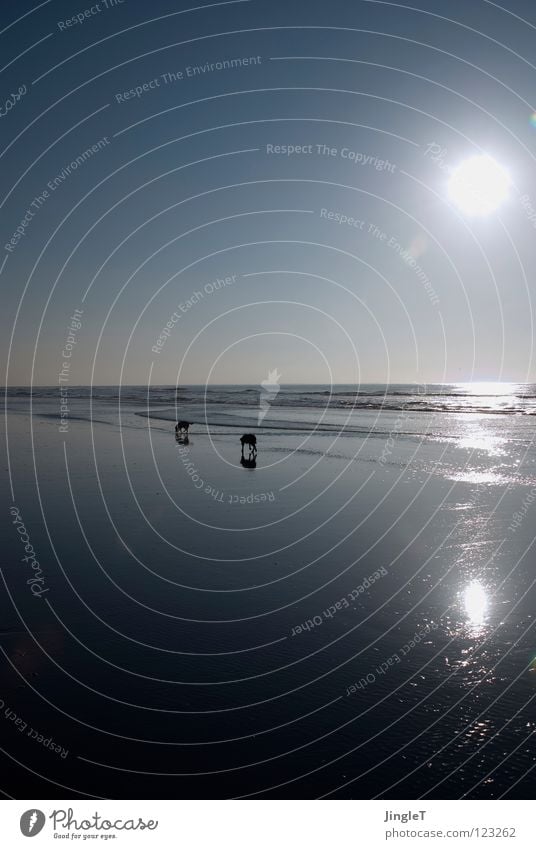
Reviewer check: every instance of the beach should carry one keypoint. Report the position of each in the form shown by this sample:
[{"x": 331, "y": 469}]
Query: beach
[{"x": 350, "y": 617}]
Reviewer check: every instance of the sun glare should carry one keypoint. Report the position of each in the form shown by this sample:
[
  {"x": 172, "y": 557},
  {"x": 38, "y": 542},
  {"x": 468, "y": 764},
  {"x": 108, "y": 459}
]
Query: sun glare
[
  {"x": 476, "y": 603},
  {"x": 479, "y": 185}
]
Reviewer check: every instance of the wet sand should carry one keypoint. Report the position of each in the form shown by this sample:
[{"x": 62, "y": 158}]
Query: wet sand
[{"x": 306, "y": 627}]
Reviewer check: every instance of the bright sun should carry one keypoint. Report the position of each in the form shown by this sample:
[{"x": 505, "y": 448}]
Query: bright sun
[{"x": 479, "y": 185}]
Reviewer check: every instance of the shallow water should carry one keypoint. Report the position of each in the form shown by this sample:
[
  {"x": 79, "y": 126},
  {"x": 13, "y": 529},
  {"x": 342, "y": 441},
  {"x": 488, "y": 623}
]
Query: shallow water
[{"x": 352, "y": 617}]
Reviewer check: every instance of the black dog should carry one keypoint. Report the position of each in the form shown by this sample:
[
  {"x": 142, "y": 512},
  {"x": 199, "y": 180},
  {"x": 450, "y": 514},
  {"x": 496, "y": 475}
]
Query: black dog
[{"x": 251, "y": 440}]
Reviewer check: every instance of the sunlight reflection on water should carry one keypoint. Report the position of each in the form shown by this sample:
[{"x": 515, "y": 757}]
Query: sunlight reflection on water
[
  {"x": 478, "y": 439},
  {"x": 476, "y": 604},
  {"x": 475, "y": 476}
]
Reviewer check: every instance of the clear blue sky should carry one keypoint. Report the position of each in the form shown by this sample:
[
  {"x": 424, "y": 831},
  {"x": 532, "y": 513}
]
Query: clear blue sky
[{"x": 345, "y": 260}]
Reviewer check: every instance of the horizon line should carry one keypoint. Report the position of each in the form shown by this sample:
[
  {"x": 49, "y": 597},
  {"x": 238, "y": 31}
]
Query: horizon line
[{"x": 308, "y": 383}]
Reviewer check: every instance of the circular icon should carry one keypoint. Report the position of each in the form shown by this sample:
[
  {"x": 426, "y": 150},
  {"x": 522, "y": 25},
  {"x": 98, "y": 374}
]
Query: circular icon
[{"x": 31, "y": 822}]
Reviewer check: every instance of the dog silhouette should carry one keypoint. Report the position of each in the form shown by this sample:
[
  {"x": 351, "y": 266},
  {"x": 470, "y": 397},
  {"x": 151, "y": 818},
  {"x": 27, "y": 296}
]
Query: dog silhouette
[{"x": 251, "y": 440}]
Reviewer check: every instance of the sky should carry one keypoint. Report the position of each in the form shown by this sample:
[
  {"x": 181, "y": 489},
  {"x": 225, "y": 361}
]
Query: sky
[{"x": 204, "y": 192}]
